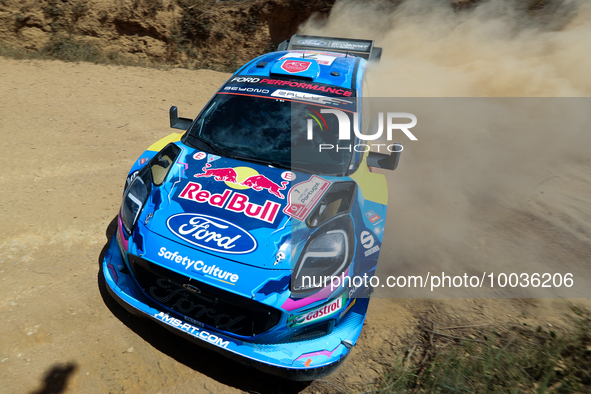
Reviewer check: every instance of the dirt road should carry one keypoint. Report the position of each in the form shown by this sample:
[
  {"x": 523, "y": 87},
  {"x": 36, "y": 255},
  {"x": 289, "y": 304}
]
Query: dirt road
[{"x": 69, "y": 135}]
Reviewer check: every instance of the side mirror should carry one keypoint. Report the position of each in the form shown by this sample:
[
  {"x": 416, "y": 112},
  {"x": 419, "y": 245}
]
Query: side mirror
[
  {"x": 381, "y": 160},
  {"x": 179, "y": 123}
]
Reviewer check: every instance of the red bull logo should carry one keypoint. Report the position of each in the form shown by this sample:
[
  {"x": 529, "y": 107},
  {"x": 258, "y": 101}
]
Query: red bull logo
[
  {"x": 244, "y": 178},
  {"x": 260, "y": 182},
  {"x": 231, "y": 201},
  {"x": 219, "y": 174}
]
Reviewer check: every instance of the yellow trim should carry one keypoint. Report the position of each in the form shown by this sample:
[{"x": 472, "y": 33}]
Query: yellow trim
[
  {"x": 348, "y": 308},
  {"x": 373, "y": 185},
  {"x": 157, "y": 146}
]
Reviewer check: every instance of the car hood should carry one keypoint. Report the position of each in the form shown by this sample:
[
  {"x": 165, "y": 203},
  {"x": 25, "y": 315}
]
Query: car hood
[{"x": 225, "y": 207}]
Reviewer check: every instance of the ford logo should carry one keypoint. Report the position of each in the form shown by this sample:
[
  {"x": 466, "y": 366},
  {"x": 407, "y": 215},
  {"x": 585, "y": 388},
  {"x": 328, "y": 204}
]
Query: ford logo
[
  {"x": 211, "y": 233},
  {"x": 192, "y": 288},
  {"x": 314, "y": 43}
]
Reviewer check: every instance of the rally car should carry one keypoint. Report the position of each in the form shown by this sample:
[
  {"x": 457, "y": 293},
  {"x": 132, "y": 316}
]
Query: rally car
[{"x": 227, "y": 229}]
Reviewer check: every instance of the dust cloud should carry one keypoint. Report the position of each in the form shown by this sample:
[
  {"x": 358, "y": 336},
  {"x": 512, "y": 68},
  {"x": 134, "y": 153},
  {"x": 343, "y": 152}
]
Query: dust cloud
[
  {"x": 500, "y": 177},
  {"x": 495, "y": 49}
]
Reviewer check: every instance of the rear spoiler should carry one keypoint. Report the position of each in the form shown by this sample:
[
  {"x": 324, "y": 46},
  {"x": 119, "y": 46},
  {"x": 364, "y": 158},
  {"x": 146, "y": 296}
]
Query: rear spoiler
[{"x": 351, "y": 46}]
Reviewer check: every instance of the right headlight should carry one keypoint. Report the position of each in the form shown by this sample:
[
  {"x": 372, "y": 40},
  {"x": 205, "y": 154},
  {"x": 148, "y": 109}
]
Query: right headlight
[{"x": 327, "y": 253}]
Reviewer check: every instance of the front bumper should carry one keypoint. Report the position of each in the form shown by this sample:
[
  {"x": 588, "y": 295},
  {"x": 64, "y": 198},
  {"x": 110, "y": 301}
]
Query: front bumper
[{"x": 303, "y": 361}]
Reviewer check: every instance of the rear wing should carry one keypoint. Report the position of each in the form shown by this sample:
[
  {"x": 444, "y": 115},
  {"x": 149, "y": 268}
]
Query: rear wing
[{"x": 351, "y": 46}]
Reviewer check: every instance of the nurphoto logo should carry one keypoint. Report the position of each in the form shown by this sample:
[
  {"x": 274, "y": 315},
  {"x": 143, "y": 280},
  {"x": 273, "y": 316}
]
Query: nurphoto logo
[{"x": 344, "y": 126}]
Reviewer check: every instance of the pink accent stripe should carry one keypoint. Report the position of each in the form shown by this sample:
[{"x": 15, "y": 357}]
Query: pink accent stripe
[
  {"x": 113, "y": 272},
  {"x": 121, "y": 235},
  {"x": 290, "y": 304},
  {"x": 319, "y": 353}
]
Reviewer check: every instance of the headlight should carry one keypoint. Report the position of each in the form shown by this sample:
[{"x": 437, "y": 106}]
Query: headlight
[
  {"x": 336, "y": 201},
  {"x": 138, "y": 191},
  {"x": 134, "y": 199},
  {"x": 328, "y": 253}
]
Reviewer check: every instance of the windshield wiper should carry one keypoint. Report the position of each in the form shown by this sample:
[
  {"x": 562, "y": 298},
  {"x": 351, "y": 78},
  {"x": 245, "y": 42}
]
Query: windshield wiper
[
  {"x": 273, "y": 163},
  {"x": 304, "y": 169},
  {"x": 212, "y": 147}
]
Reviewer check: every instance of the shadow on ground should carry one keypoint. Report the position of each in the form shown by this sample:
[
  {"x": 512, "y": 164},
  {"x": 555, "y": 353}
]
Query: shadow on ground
[
  {"x": 205, "y": 361},
  {"x": 56, "y": 378}
]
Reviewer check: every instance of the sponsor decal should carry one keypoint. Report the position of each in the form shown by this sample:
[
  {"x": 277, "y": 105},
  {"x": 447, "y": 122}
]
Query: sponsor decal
[
  {"x": 211, "y": 233},
  {"x": 199, "y": 155},
  {"x": 211, "y": 271},
  {"x": 192, "y": 330},
  {"x": 279, "y": 258},
  {"x": 304, "y": 196},
  {"x": 373, "y": 217},
  {"x": 242, "y": 89},
  {"x": 368, "y": 241},
  {"x": 312, "y": 43},
  {"x": 295, "y": 66},
  {"x": 143, "y": 160},
  {"x": 260, "y": 182},
  {"x": 323, "y": 312},
  {"x": 288, "y": 176},
  {"x": 211, "y": 158},
  {"x": 245, "y": 79},
  {"x": 348, "y": 45},
  {"x": 243, "y": 178},
  {"x": 320, "y": 59},
  {"x": 308, "y": 97},
  {"x": 219, "y": 174},
  {"x": 372, "y": 250},
  {"x": 352, "y": 290},
  {"x": 231, "y": 201},
  {"x": 307, "y": 86},
  {"x": 295, "y": 84}
]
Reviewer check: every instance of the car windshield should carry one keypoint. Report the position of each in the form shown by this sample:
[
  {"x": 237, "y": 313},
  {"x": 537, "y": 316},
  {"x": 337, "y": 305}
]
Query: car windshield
[{"x": 270, "y": 130}]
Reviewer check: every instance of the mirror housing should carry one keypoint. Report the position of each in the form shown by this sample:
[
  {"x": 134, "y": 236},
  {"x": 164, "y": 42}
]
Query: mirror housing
[
  {"x": 179, "y": 123},
  {"x": 381, "y": 160}
]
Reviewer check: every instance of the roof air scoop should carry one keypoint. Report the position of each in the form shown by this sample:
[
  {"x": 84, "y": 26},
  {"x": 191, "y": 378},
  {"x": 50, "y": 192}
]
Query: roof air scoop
[{"x": 307, "y": 69}]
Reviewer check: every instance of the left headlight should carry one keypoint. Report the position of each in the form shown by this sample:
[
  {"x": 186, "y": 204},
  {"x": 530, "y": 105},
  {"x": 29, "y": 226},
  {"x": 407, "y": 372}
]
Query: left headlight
[
  {"x": 134, "y": 199},
  {"x": 138, "y": 191},
  {"x": 328, "y": 253}
]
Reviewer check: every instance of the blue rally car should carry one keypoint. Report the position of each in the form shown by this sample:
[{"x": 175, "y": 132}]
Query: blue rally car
[{"x": 227, "y": 229}]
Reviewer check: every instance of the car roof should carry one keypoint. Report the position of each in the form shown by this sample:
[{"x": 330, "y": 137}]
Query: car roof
[{"x": 325, "y": 67}]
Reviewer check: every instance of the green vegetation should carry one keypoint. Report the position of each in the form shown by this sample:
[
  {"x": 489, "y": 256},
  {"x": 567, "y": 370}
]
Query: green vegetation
[
  {"x": 70, "y": 49},
  {"x": 518, "y": 359}
]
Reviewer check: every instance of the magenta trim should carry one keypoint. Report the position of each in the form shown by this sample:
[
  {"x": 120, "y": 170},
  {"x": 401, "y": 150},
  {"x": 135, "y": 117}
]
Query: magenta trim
[
  {"x": 319, "y": 353},
  {"x": 113, "y": 272},
  {"x": 290, "y": 304},
  {"x": 121, "y": 235}
]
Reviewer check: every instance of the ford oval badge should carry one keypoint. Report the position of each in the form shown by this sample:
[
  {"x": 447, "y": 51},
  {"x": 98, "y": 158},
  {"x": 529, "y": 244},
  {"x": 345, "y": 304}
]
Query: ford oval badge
[{"x": 211, "y": 233}]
